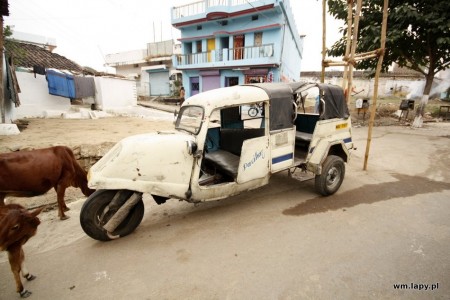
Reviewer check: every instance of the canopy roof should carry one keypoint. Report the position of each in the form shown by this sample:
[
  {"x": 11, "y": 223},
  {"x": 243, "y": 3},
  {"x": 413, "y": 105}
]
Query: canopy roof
[{"x": 280, "y": 95}]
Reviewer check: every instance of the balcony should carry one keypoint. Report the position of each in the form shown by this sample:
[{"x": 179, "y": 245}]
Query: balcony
[
  {"x": 210, "y": 6},
  {"x": 227, "y": 57}
]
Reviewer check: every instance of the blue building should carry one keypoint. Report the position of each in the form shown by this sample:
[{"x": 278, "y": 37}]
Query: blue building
[{"x": 229, "y": 42}]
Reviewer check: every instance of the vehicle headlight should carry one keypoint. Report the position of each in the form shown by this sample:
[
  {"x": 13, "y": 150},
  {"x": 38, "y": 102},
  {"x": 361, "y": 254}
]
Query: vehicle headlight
[{"x": 191, "y": 147}]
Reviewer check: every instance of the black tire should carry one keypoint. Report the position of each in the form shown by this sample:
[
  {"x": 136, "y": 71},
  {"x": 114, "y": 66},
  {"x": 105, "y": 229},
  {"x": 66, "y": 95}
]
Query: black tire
[
  {"x": 333, "y": 172},
  {"x": 93, "y": 209}
]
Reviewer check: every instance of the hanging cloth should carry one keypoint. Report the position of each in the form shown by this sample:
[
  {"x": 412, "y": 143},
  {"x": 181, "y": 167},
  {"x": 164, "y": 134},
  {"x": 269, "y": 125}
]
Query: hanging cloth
[
  {"x": 38, "y": 70},
  {"x": 60, "y": 84},
  {"x": 11, "y": 82},
  {"x": 84, "y": 87}
]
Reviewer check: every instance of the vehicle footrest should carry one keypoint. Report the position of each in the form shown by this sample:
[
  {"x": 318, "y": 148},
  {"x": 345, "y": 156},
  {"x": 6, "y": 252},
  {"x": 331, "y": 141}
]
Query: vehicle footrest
[{"x": 303, "y": 136}]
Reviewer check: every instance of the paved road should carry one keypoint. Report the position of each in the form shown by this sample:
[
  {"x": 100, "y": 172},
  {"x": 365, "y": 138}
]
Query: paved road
[{"x": 387, "y": 226}]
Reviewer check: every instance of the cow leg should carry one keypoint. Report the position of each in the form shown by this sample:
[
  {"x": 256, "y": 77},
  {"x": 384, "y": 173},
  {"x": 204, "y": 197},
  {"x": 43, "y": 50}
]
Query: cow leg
[
  {"x": 25, "y": 273},
  {"x": 60, "y": 191},
  {"x": 16, "y": 257},
  {"x": 2, "y": 199}
]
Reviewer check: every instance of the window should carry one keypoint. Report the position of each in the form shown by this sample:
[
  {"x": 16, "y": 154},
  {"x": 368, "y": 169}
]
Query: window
[
  {"x": 258, "y": 39},
  {"x": 244, "y": 116},
  {"x": 190, "y": 119},
  {"x": 195, "y": 86},
  {"x": 230, "y": 81}
]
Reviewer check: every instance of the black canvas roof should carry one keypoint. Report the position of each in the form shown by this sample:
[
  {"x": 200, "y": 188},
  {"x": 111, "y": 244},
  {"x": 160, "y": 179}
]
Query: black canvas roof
[
  {"x": 281, "y": 97},
  {"x": 283, "y": 94}
]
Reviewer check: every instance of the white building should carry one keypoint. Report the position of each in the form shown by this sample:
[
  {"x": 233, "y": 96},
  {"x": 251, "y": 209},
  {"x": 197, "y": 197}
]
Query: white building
[
  {"x": 32, "y": 60},
  {"x": 151, "y": 68}
]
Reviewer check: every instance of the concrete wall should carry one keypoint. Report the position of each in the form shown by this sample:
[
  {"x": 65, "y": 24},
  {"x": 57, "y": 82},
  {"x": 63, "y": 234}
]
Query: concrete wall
[
  {"x": 292, "y": 49},
  {"x": 127, "y": 70},
  {"x": 126, "y": 58},
  {"x": 143, "y": 85},
  {"x": 35, "y": 100},
  {"x": 290, "y": 66},
  {"x": 405, "y": 87},
  {"x": 114, "y": 93}
]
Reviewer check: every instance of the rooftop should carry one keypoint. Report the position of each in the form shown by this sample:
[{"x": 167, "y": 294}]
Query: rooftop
[{"x": 28, "y": 55}]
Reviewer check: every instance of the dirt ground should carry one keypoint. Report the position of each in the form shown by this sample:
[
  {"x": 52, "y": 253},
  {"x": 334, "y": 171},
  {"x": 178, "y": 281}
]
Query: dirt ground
[
  {"x": 90, "y": 138},
  {"x": 385, "y": 226},
  {"x": 74, "y": 132}
]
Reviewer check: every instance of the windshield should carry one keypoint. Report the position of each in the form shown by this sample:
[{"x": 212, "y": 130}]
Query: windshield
[{"x": 190, "y": 119}]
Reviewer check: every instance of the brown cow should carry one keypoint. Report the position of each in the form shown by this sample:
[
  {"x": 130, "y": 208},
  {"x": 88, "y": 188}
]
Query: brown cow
[
  {"x": 35, "y": 172},
  {"x": 17, "y": 225}
]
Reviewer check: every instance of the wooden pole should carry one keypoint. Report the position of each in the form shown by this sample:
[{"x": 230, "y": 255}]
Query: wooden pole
[
  {"x": 345, "y": 63},
  {"x": 2, "y": 95},
  {"x": 375, "y": 89},
  {"x": 324, "y": 38},
  {"x": 367, "y": 53},
  {"x": 351, "y": 58},
  {"x": 347, "y": 47},
  {"x": 329, "y": 63}
]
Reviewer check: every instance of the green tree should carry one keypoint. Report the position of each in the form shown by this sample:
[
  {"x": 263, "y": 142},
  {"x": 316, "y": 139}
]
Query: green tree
[{"x": 418, "y": 37}]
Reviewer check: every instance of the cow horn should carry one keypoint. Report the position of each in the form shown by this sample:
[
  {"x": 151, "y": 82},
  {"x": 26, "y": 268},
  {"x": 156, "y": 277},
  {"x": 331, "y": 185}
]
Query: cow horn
[{"x": 38, "y": 210}]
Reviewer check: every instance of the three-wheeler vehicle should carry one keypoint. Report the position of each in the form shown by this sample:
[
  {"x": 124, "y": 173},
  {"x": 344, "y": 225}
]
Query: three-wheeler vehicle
[{"x": 218, "y": 150}]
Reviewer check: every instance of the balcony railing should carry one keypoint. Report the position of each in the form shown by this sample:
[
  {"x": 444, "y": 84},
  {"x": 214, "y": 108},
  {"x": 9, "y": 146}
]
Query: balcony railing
[
  {"x": 226, "y": 54},
  {"x": 200, "y": 7}
]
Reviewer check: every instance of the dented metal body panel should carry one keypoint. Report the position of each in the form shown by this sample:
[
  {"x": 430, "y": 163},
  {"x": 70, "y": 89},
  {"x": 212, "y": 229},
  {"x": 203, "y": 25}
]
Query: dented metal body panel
[{"x": 149, "y": 163}]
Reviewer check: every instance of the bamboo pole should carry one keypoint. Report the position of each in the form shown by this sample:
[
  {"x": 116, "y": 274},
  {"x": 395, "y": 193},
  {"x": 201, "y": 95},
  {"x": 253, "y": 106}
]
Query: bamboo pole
[
  {"x": 324, "y": 38},
  {"x": 365, "y": 57},
  {"x": 2, "y": 94},
  {"x": 336, "y": 63},
  {"x": 377, "y": 75},
  {"x": 368, "y": 53},
  {"x": 351, "y": 59},
  {"x": 347, "y": 47},
  {"x": 346, "y": 63}
]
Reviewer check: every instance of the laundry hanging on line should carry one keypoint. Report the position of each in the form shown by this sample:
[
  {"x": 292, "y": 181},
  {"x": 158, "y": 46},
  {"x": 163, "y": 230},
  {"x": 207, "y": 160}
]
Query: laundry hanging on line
[
  {"x": 70, "y": 86},
  {"x": 84, "y": 87},
  {"x": 60, "y": 84},
  {"x": 38, "y": 70}
]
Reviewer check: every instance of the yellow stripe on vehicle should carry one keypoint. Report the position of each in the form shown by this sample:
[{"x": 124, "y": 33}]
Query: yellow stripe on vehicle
[{"x": 341, "y": 126}]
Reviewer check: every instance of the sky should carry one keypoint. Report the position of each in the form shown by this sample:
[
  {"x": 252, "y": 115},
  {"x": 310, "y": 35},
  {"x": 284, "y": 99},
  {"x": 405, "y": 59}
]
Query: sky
[{"x": 87, "y": 30}]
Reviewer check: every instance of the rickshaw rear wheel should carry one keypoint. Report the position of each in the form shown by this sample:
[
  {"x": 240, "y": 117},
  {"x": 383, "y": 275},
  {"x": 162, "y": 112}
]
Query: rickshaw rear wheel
[{"x": 333, "y": 172}]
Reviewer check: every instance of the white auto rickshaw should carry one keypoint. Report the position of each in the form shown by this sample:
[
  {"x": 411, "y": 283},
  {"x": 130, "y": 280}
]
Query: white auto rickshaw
[{"x": 218, "y": 150}]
